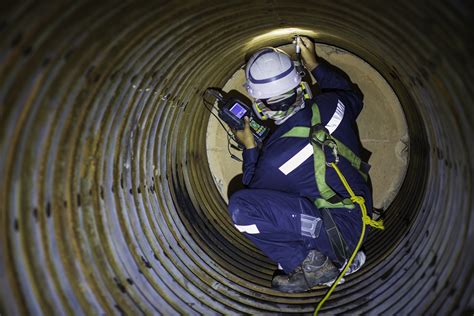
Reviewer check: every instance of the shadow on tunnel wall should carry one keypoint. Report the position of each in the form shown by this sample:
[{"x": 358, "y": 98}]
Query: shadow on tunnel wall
[{"x": 107, "y": 204}]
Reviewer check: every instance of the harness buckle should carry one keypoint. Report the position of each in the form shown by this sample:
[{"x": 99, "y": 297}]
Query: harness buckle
[
  {"x": 331, "y": 144},
  {"x": 318, "y": 134}
]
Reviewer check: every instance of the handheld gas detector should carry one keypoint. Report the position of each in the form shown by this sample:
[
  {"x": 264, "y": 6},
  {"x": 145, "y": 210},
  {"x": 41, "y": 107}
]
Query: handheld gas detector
[{"x": 232, "y": 111}]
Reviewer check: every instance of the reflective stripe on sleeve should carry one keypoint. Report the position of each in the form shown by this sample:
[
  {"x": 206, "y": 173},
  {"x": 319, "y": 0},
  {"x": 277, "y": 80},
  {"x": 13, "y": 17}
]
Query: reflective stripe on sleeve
[{"x": 336, "y": 117}]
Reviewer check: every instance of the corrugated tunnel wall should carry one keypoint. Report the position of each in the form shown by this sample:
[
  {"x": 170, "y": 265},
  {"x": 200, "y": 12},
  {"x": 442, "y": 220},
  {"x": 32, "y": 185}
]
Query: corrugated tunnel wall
[{"x": 107, "y": 202}]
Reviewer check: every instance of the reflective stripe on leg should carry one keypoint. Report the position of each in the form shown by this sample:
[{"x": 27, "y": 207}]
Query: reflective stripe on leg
[
  {"x": 250, "y": 229},
  {"x": 310, "y": 226}
]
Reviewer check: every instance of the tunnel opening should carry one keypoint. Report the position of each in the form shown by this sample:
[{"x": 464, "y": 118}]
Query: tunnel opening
[{"x": 108, "y": 204}]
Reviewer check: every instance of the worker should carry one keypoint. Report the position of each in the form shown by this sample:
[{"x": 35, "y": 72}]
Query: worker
[{"x": 283, "y": 210}]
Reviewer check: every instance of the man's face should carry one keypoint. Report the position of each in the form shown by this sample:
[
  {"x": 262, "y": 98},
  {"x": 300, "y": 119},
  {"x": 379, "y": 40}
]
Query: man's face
[
  {"x": 281, "y": 102},
  {"x": 281, "y": 107}
]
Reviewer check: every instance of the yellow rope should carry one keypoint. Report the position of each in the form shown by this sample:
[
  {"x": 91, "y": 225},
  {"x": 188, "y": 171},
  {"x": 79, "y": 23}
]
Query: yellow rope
[{"x": 366, "y": 220}]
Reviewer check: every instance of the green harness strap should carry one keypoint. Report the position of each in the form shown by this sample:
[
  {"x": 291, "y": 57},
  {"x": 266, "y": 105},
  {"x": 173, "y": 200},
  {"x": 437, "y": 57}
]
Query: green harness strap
[{"x": 319, "y": 139}]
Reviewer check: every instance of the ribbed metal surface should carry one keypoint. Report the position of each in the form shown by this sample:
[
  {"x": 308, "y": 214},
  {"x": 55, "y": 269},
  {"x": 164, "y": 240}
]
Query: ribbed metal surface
[{"x": 107, "y": 204}]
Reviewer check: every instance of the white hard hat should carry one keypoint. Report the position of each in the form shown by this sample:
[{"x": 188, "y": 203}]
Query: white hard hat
[{"x": 269, "y": 73}]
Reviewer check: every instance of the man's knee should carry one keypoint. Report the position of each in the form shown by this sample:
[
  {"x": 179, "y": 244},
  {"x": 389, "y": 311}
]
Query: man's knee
[
  {"x": 239, "y": 205},
  {"x": 241, "y": 209}
]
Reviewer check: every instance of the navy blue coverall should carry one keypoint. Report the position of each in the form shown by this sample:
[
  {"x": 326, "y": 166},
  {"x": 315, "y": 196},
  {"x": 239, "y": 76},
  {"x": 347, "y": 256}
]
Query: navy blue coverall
[{"x": 281, "y": 184}]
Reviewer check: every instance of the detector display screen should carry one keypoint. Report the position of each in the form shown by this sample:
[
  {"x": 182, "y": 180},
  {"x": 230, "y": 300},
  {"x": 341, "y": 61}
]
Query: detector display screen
[{"x": 238, "y": 110}]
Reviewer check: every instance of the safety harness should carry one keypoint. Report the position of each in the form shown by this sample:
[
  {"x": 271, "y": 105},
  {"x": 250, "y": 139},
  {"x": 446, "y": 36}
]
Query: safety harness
[{"x": 321, "y": 139}]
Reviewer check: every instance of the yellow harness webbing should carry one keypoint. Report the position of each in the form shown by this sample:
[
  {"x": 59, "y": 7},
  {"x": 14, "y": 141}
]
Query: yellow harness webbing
[{"x": 366, "y": 220}]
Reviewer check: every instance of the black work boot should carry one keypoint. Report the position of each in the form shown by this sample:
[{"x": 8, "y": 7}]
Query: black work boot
[{"x": 315, "y": 269}]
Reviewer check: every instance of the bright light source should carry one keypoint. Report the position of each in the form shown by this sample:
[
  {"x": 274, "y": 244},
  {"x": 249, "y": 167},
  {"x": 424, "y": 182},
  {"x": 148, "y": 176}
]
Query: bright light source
[{"x": 278, "y": 34}]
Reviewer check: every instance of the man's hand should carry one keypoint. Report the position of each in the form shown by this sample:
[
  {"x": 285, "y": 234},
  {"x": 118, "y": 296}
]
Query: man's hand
[
  {"x": 245, "y": 136},
  {"x": 308, "y": 53}
]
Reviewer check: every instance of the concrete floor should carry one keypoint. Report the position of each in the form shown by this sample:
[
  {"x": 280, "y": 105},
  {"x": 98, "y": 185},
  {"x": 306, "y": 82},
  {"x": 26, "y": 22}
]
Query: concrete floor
[{"x": 382, "y": 129}]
